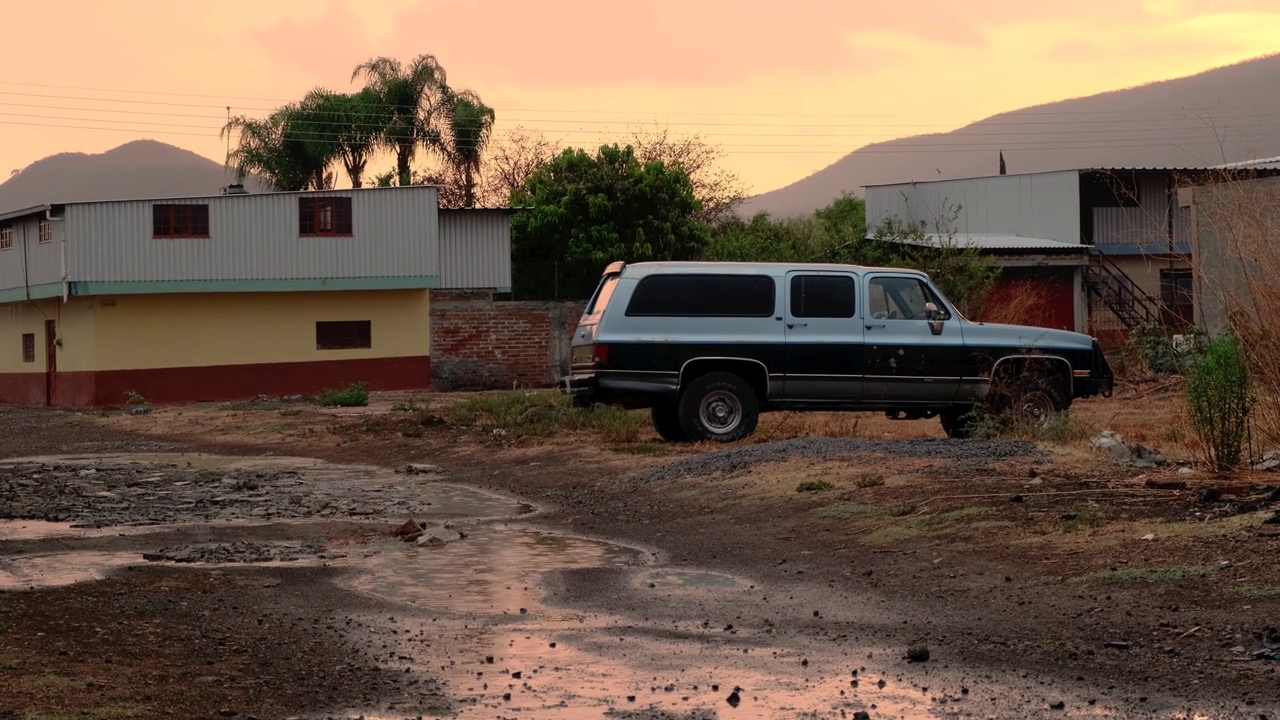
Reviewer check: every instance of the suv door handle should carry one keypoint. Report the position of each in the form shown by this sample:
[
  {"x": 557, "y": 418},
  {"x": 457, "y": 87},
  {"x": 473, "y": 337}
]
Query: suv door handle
[
  {"x": 876, "y": 326},
  {"x": 792, "y": 326}
]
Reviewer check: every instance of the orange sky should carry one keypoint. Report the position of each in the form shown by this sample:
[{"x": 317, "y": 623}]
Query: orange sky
[{"x": 785, "y": 87}]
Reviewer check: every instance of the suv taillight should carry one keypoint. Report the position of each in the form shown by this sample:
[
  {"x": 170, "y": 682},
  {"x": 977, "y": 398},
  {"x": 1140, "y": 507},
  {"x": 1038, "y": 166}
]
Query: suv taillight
[{"x": 600, "y": 354}]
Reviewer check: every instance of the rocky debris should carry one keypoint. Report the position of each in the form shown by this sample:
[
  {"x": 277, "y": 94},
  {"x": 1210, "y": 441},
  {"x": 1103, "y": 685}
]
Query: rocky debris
[
  {"x": 107, "y": 494},
  {"x": 919, "y": 653},
  {"x": 1130, "y": 454},
  {"x": 862, "y": 715},
  {"x": 240, "y": 552},
  {"x": 657, "y": 713},
  {"x": 419, "y": 469},
  {"x": 734, "y": 698},
  {"x": 962, "y": 454},
  {"x": 409, "y": 531},
  {"x": 1270, "y": 460}
]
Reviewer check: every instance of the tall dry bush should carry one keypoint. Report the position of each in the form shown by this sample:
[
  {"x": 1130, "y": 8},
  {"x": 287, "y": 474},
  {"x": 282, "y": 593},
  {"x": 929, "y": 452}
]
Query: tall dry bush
[
  {"x": 1237, "y": 264},
  {"x": 1015, "y": 303}
]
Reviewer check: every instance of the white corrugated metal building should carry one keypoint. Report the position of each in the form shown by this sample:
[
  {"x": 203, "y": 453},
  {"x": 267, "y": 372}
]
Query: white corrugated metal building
[{"x": 233, "y": 295}]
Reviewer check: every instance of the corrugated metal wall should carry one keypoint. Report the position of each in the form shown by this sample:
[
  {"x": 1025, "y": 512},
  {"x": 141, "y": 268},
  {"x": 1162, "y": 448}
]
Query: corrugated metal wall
[
  {"x": 1037, "y": 205},
  {"x": 475, "y": 249},
  {"x": 43, "y": 262},
  {"x": 394, "y": 234}
]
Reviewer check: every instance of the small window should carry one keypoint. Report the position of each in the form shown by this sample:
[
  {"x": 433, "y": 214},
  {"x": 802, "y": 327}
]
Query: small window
[
  {"x": 6, "y": 237},
  {"x": 822, "y": 296},
  {"x": 46, "y": 231},
  {"x": 703, "y": 296},
  {"x": 324, "y": 216},
  {"x": 28, "y": 347},
  {"x": 180, "y": 221},
  {"x": 901, "y": 298},
  {"x": 344, "y": 335}
]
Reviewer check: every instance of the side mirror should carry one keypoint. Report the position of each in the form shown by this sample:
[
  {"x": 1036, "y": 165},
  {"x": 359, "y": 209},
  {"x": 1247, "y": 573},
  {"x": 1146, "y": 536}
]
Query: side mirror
[{"x": 934, "y": 317}]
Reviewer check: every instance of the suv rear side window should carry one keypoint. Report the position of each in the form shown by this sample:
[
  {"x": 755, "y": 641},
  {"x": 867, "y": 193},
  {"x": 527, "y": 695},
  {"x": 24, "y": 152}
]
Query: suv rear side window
[
  {"x": 600, "y": 300},
  {"x": 822, "y": 296},
  {"x": 703, "y": 296}
]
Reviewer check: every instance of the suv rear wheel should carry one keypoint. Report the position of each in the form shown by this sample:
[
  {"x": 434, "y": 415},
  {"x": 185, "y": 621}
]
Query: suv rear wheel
[
  {"x": 666, "y": 420},
  {"x": 718, "y": 406},
  {"x": 1038, "y": 400}
]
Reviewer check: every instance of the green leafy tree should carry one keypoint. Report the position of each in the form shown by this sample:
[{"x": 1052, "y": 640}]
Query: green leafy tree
[
  {"x": 347, "y": 126},
  {"x": 411, "y": 98},
  {"x": 284, "y": 148},
  {"x": 588, "y": 210},
  {"x": 836, "y": 233},
  {"x": 1220, "y": 400}
]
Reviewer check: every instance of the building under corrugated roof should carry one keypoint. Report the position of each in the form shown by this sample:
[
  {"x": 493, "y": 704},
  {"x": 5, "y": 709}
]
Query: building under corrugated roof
[{"x": 233, "y": 295}]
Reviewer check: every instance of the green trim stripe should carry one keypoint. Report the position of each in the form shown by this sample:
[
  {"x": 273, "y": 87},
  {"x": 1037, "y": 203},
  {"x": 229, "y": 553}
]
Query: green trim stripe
[
  {"x": 161, "y": 287},
  {"x": 38, "y": 292}
]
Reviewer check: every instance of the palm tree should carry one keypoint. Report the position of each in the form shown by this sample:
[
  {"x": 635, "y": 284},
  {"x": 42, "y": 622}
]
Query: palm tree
[
  {"x": 286, "y": 148},
  {"x": 345, "y": 126},
  {"x": 470, "y": 127},
  {"x": 411, "y": 97}
]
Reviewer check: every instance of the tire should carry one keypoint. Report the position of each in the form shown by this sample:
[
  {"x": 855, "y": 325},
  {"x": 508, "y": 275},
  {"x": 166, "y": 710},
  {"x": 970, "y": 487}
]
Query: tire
[
  {"x": 1038, "y": 400},
  {"x": 957, "y": 422},
  {"x": 718, "y": 407},
  {"x": 666, "y": 420}
]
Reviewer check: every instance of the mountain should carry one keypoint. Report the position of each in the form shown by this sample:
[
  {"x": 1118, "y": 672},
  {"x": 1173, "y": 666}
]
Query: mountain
[
  {"x": 140, "y": 169},
  {"x": 1222, "y": 115}
]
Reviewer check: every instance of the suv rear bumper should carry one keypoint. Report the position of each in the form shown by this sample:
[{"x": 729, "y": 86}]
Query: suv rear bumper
[{"x": 626, "y": 389}]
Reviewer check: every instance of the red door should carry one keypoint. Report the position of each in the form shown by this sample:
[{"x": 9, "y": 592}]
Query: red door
[{"x": 51, "y": 360}]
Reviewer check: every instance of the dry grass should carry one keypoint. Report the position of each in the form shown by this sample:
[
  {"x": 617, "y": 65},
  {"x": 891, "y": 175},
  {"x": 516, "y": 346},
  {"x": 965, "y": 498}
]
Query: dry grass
[{"x": 1019, "y": 303}]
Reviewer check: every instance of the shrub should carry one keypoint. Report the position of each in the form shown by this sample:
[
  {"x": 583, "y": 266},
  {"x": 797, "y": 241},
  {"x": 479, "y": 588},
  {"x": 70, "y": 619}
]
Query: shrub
[
  {"x": 1152, "y": 347},
  {"x": 811, "y": 486},
  {"x": 1219, "y": 399},
  {"x": 543, "y": 414},
  {"x": 353, "y": 395}
]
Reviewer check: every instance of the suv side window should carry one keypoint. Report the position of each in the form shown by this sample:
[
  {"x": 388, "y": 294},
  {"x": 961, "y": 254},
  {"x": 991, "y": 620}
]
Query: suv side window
[
  {"x": 901, "y": 298},
  {"x": 702, "y": 296},
  {"x": 822, "y": 296}
]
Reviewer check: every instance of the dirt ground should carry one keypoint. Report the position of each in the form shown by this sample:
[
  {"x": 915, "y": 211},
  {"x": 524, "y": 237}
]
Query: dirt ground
[{"x": 1150, "y": 590}]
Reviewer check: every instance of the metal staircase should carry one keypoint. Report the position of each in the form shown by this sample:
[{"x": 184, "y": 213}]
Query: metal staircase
[{"x": 1106, "y": 281}]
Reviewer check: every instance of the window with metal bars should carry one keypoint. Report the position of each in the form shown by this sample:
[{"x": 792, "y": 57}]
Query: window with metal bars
[
  {"x": 6, "y": 237},
  {"x": 28, "y": 347},
  {"x": 46, "y": 231},
  {"x": 320, "y": 216},
  {"x": 180, "y": 221}
]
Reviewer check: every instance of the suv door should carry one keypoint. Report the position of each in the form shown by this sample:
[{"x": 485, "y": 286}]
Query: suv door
[
  {"x": 905, "y": 360},
  {"x": 823, "y": 336}
]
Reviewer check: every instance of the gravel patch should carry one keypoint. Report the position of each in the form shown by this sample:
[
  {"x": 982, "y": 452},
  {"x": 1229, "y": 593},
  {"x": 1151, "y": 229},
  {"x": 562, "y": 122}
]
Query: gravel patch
[
  {"x": 965, "y": 454},
  {"x": 104, "y": 494},
  {"x": 241, "y": 552}
]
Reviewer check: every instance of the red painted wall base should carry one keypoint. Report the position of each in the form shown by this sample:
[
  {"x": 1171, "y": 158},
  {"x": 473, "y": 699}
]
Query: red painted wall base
[{"x": 222, "y": 382}]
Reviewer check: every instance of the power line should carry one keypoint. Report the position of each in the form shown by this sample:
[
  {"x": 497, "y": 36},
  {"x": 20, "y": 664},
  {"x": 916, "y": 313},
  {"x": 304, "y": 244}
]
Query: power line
[
  {"x": 223, "y": 98},
  {"x": 776, "y": 149}
]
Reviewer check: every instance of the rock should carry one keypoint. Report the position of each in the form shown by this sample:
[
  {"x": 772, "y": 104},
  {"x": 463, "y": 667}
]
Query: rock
[
  {"x": 862, "y": 715},
  {"x": 1186, "y": 471},
  {"x": 1155, "y": 484},
  {"x": 227, "y": 712},
  {"x": 734, "y": 698},
  {"x": 1059, "y": 705},
  {"x": 919, "y": 653},
  {"x": 409, "y": 531},
  {"x": 419, "y": 469},
  {"x": 1106, "y": 439},
  {"x": 1270, "y": 460},
  {"x": 1116, "y": 644}
]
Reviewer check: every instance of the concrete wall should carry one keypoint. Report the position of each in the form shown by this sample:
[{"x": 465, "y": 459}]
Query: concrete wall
[{"x": 479, "y": 343}]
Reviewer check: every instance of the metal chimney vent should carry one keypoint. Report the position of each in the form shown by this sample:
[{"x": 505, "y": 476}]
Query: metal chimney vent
[{"x": 234, "y": 189}]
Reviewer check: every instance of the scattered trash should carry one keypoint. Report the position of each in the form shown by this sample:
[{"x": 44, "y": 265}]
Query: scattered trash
[
  {"x": 1270, "y": 460},
  {"x": 1133, "y": 455},
  {"x": 1149, "y": 536}
]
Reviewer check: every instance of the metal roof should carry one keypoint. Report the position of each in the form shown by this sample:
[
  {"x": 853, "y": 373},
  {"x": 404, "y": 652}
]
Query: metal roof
[
  {"x": 1264, "y": 167},
  {"x": 1263, "y": 163},
  {"x": 25, "y": 212},
  {"x": 999, "y": 243}
]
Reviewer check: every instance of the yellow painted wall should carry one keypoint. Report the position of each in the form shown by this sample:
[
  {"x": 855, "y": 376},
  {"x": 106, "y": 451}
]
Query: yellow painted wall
[
  {"x": 135, "y": 332},
  {"x": 1145, "y": 271},
  {"x": 74, "y": 322}
]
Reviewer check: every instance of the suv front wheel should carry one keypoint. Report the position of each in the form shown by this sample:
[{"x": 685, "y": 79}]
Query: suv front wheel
[{"x": 719, "y": 407}]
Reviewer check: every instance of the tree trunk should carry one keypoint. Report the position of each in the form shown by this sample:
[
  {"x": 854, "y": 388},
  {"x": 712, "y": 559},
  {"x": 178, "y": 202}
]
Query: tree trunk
[{"x": 402, "y": 165}]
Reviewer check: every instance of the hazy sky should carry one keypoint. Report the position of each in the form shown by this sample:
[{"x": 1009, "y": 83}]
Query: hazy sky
[{"x": 785, "y": 87}]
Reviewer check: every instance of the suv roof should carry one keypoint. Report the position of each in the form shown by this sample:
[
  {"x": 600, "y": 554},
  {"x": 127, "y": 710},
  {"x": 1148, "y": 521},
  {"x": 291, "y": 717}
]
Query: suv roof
[{"x": 641, "y": 269}]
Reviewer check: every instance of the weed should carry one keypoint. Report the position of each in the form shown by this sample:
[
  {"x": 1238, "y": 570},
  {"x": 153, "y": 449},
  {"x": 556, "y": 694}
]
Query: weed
[
  {"x": 1007, "y": 425},
  {"x": 1083, "y": 521},
  {"x": 1261, "y": 592},
  {"x": 1152, "y": 574},
  {"x": 1219, "y": 400},
  {"x": 869, "y": 480},
  {"x": 846, "y": 510},
  {"x": 353, "y": 395},
  {"x": 892, "y": 534},
  {"x": 541, "y": 414},
  {"x": 811, "y": 486},
  {"x": 289, "y": 412},
  {"x": 946, "y": 518},
  {"x": 7, "y": 664}
]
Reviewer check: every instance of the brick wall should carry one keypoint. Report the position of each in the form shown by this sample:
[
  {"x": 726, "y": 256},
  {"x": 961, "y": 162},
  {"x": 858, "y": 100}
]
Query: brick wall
[{"x": 477, "y": 343}]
